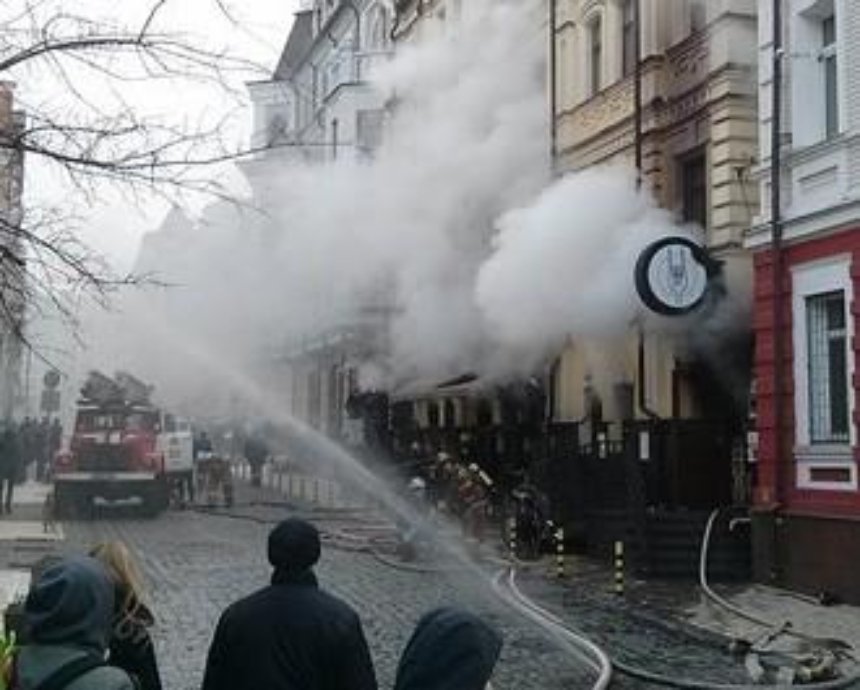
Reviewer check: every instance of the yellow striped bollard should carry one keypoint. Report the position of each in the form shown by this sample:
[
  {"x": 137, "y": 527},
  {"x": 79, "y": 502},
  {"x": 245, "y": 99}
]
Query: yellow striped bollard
[
  {"x": 619, "y": 568},
  {"x": 512, "y": 537},
  {"x": 559, "y": 553}
]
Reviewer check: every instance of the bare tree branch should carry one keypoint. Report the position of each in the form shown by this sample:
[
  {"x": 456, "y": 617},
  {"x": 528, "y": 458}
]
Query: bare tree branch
[{"x": 42, "y": 258}]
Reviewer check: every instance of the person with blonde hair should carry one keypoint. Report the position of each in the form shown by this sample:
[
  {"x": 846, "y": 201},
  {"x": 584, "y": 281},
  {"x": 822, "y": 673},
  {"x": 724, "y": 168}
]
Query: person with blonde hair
[{"x": 130, "y": 646}]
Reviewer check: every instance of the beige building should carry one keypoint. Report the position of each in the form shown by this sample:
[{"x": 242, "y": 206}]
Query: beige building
[{"x": 698, "y": 146}]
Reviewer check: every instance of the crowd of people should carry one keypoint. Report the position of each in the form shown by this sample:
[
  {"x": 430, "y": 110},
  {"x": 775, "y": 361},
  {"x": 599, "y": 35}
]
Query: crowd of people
[
  {"x": 22, "y": 445},
  {"x": 85, "y": 626},
  {"x": 461, "y": 491}
]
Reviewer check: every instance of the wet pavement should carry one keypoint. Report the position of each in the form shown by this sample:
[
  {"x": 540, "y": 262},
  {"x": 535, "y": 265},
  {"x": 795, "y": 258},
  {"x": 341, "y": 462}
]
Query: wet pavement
[{"x": 198, "y": 561}]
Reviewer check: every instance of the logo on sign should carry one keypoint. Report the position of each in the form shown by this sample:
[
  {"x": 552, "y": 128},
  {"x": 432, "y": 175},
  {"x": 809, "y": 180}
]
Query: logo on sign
[{"x": 673, "y": 276}]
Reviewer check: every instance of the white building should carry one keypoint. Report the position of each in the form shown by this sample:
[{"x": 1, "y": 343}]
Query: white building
[
  {"x": 319, "y": 102},
  {"x": 320, "y": 107}
]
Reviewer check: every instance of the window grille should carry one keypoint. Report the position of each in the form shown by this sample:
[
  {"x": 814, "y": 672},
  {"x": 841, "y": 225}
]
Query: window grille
[{"x": 828, "y": 368}]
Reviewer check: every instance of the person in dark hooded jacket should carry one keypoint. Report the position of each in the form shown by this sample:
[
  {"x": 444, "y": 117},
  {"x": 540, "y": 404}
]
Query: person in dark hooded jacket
[
  {"x": 451, "y": 649},
  {"x": 67, "y": 622},
  {"x": 290, "y": 635}
]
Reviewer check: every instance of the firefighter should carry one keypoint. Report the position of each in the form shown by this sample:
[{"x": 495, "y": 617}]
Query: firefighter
[
  {"x": 531, "y": 514},
  {"x": 256, "y": 453},
  {"x": 202, "y": 454}
]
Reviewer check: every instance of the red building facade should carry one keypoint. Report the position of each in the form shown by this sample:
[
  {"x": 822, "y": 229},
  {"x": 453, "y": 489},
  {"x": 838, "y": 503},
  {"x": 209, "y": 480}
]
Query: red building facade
[{"x": 806, "y": 519}]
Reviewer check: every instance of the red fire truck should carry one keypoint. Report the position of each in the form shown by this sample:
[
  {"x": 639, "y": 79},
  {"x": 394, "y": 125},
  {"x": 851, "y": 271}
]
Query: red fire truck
[{"x": 114, "y": 455}]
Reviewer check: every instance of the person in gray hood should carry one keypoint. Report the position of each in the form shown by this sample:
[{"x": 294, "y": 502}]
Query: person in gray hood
[
  {"x": 67, "y": 624},
  {"x": 451, "y": 649}
]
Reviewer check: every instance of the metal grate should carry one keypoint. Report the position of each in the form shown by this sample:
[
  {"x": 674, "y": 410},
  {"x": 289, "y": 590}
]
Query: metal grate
[{"x": 828, "y": 368}]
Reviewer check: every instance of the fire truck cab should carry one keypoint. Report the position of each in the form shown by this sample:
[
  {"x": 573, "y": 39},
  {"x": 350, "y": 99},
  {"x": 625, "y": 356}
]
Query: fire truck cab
[{"x": 114, "y": 454}]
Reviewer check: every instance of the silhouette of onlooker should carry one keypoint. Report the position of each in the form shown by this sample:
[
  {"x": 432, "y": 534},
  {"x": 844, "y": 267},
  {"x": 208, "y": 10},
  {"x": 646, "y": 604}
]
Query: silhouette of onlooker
[
  {"x": 290, "y": 634},
  {"x": 449, "y": 649}
]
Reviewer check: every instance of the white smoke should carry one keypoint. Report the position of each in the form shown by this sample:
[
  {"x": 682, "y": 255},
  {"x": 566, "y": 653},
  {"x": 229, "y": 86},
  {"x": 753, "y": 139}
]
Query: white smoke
[
  {"x": 450, "y": 229},
  {"x": 563, "y": 266}
]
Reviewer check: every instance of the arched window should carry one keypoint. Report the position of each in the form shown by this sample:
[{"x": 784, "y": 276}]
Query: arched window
[{"x": 378, "y": 22}]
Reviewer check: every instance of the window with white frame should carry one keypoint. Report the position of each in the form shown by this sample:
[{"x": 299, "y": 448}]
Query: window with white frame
[
  {"x": 815, "y": 68},
  {"x": 823, "y": 359},
  {"x": 595, "y": 55},
  {"x": 827, "y": 57},
  {"x": 827, "y": 366}
]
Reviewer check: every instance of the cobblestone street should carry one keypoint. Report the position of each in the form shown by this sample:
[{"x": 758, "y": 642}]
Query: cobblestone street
[{"x": 197, "y": 563}]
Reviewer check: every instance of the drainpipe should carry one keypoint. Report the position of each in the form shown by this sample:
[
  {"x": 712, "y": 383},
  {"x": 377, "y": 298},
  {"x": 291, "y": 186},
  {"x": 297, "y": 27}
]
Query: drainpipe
[
  {"x": 334, "y": 142},
  {"x": 642, "y": 398},
  {"x": 776, "y": 251},
  {"x": 637, "y": 88},
  {"x": 553, "y": 88},
  {"x": 637, "y": 147}
]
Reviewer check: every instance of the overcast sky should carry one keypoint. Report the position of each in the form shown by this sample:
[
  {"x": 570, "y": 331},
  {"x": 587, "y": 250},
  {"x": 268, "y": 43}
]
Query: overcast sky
[{"x": 115, "y": 225}]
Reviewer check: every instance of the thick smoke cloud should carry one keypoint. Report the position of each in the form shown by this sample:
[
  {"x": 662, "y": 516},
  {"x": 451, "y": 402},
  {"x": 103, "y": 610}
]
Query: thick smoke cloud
[
  {"x": 451, "y": 231},
  {"x": 563, "y": 266}
]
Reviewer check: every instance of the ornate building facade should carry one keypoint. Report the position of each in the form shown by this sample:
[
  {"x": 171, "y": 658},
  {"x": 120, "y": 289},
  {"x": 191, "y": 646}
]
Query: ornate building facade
[{"x": 698, "y": 144}]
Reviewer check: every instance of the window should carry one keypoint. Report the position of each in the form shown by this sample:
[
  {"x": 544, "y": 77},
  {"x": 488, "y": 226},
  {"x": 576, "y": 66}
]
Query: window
[
  {"x": 449, "y": 414},
  {"x": 277, "y": 126},
  {"x": 369, "y": 129},
  {"x": 595, "y": 56},
  {"x": 827, "y": 362},
  {"x": 314, "y": 400},
  {"x": 628, "y": 38},
  {"x": 433, "y": 415},
  {"x": 698, "y": 16},
  {"x": 694, "y": 190},
  {"x": 827, "y": 56},
  {"x": 378, "y": 29}
]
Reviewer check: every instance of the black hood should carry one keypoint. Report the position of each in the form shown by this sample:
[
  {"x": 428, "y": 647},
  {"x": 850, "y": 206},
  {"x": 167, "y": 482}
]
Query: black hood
[
  {"x": 294, "y": 545},
  {"x": 71, "y": 604},
  {"x": 450, "y": 650}
]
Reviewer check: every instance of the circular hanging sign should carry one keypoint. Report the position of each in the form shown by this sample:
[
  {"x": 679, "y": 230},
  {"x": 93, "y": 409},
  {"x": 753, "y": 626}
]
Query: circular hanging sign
[
  {"x": 672, "y": 276},
  {"x": 51, "y": 379}
]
